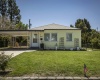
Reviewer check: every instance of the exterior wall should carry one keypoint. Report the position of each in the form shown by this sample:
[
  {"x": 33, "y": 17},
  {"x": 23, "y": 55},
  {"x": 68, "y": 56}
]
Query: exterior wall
[
  {"x": 52, "y": 44},
  {"x": 40, "y": 34},
  {"x": 62, "y": 33}
]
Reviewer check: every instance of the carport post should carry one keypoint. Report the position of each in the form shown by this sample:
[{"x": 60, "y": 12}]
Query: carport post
[
  {"x": 4, "y": 41},
  {"x": 13, "y": 41},
  {"x": 27, "y": 39}
]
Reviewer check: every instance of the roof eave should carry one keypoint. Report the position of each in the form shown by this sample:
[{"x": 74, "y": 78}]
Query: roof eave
[{"x": 62, "y": 29}]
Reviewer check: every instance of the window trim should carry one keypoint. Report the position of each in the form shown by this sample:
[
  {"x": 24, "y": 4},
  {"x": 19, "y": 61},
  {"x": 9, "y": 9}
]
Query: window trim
[{"x": 50, "y": 36}]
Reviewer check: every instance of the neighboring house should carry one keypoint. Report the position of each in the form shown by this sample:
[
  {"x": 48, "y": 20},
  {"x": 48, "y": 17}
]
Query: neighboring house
[{"x": 51, "y": 35}]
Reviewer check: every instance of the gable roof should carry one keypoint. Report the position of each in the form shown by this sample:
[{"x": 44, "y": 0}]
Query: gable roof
[{"x": 54, "y": 27}]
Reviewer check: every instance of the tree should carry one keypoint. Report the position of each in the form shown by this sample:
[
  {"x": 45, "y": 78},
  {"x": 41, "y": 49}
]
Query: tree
[
  {"x": 13, "y": 11},
  {"x": 21, "y": 26},
  {"x": 84, "y": 25},
  {"x": 71, "y": 26},
  {"x": 3, "y": 7},
  {"x": 5, "y": 24},
  {"x": 3, "y": 12},
  {"x": 95, "y": 39},
  {"x": 87, "y": 25},
  {"x": 9, "y": 14}
]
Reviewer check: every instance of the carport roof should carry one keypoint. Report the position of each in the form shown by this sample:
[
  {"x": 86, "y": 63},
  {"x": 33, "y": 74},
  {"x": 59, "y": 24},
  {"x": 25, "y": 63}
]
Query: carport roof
[
  {"x": 15, "y": 32},
  {"x": 41, "y": 28}
]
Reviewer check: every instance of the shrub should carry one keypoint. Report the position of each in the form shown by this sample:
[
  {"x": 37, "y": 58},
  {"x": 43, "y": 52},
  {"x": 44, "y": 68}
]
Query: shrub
[{"x": 4, "y": 60}]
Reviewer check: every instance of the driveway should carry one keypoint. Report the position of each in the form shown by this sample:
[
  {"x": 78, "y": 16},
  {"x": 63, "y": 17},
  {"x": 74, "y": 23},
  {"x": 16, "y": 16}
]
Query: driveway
[{"x": 15, "y": 52}]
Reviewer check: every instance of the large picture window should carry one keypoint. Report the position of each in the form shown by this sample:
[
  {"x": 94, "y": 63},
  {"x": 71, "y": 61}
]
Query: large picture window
[
  {"x": 47, "y": 37},
  {"x": 54, "y": 37},
  {"x": 69, "y": 36}
]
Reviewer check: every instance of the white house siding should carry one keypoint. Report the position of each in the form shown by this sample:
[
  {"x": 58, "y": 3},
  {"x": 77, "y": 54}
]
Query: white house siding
[
  {"x": 40, "y": 34},
  {"x": 62, "y": 33}
]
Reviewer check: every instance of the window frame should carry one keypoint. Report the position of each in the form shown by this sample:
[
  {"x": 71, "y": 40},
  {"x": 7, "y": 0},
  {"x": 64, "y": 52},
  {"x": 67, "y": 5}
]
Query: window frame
[
  {"x": 67, "y": 37},
  {"x": 44, "y": 37},
  {"x": 52, "y": 36}
]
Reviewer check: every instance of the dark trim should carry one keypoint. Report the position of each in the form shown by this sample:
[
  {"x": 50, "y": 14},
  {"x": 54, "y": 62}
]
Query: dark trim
[
  {"x": 13, "y": 30},
  {"x": 36, "y": 30},
  {"x": 19, "y": 30},
  {"x": 54, "y": 29},
  {"x": 62, "y": 29}
]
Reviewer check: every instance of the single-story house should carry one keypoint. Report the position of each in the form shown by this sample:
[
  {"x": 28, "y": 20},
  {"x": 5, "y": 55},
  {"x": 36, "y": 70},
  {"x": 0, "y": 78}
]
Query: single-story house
[{"x": 51, "y": 35}]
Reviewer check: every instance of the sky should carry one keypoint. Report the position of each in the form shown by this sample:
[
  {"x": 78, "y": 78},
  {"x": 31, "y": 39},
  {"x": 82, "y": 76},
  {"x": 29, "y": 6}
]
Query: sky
[{"x": 63, "y": 12}]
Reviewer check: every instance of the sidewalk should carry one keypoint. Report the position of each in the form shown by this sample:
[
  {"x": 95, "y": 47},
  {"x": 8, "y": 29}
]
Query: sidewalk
[
  {"x": 15, "y": 52},
  {"x": 49, "y": 78}
]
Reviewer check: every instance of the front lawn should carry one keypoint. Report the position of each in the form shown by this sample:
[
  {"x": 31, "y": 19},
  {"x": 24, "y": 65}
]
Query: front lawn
[{"x": 55, "y": 63}]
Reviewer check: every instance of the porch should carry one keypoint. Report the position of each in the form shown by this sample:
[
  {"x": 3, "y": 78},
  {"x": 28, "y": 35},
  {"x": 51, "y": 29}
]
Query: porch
[
  {"x": 32, "y": 38},
  {"x": 10, "y": 37}
]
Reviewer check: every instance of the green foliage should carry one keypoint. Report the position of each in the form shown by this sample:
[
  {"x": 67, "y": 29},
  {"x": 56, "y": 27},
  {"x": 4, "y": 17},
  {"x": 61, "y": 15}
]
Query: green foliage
[
  {"x": 95, "y": 39},
  {"x": 3, "y": 7},
  {"x": 21, "y": 26},
  {"x": 13, "y": 11},
  {"x": 89, "y": 35},
  {"x": 53, "y": 63},
  {"x": 83, "y": 24},
  {"x": 5, "y": 23},
  {"x": 9, "y": 14},
  {"x": 3, "y": 41},
  {"x": 71, "y": 26},
  {"x": 4, "y": 61}
]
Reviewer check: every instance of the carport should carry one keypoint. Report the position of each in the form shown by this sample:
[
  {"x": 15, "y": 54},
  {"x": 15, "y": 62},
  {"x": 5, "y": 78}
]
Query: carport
[{"x": 14, "y": 34}]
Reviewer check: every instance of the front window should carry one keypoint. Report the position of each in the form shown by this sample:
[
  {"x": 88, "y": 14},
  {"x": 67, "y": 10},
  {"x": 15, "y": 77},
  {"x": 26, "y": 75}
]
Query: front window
[
  {"x": 69, "y": 37},
  {"x": 54, "y": 37},
  {"x": 47, "y": 37}
]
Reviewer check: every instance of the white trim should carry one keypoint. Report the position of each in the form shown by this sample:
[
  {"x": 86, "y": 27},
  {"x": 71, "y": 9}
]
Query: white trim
[
  {"x": 50, "y": 35},
  {"x": 37, "y": 43}
]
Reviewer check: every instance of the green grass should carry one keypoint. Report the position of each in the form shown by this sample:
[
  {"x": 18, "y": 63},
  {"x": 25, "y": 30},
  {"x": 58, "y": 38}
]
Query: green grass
[{"x": 55, "y": 63}]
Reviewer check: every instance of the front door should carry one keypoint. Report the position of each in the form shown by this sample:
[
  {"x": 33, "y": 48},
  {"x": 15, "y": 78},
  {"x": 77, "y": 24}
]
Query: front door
[{"x": 35, "y": 40}]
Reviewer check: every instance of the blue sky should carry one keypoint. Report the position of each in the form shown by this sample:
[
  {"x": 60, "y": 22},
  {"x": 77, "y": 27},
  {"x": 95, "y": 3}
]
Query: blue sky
[{"x": 64, "y": 12}]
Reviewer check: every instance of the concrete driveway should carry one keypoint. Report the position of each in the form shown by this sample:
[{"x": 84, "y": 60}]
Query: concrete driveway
[{"x": 15, "y": 52}]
